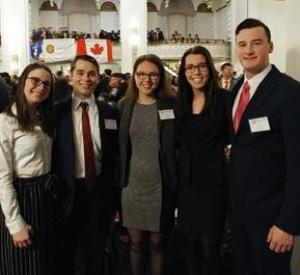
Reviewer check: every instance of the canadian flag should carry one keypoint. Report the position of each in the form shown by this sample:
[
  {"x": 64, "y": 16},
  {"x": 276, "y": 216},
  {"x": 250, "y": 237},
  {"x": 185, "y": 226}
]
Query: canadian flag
[{"x": 100, "y": 49}]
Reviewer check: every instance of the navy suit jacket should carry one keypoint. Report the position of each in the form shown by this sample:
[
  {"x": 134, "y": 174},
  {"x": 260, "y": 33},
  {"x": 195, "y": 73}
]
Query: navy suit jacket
[
  {"x": 264, "y": 168},
  {"x": 64, "y": 154}
]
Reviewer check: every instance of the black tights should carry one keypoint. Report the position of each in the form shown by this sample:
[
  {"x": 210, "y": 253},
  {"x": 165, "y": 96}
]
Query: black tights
[
  {"x": 202, "y": 256},
  {"x": 144, "y": 243}
]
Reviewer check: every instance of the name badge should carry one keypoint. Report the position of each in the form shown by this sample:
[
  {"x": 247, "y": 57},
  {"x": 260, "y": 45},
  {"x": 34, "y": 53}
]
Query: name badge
[
  {"x": 110, "y": 124},
  {"x": 166, "y": 114},
  {"x": 260, "y": 124}
]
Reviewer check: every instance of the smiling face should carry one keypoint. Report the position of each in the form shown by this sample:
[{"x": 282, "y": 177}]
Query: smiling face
[
  {"x": 37, "y": 86},
  {"x": 253, "y": 49},
  {"x": 147, "y": 79},
  {"x": 85, "y": 78},
  {"x": 196, "y": 71}
]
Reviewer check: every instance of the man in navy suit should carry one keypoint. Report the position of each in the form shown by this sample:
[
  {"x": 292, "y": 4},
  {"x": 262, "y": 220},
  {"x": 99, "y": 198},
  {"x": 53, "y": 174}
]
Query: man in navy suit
[
  {"x": 87, "y": 171},
  {"x": 227, "y": 80},
  {"x": 264, "y": 168}
]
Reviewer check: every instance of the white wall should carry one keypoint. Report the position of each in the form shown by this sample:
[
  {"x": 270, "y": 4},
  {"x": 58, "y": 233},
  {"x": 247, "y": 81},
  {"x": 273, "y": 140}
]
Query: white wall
[
  {"x": 153, "y": 20},
  {"x": 109, "y": 21},
  {"x": 221, "y": 24},
  {"x": 202, "y": 24},
  {"x": 293, "y": 49},
  {"x": 177, "y": 22},
  {"x": 80, "y": 22},
  {"x": 49, "y": 19}
]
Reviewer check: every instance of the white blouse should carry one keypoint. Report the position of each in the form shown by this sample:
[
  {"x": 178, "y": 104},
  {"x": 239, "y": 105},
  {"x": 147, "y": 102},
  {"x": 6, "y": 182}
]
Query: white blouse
[{"x": 23, "y": 155}]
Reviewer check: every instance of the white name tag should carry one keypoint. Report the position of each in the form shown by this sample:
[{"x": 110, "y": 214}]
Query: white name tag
[
  {"x": 260, "y": 124},
  {"x": 166, "y": 114},
  {"x": 110, "y": 124}
]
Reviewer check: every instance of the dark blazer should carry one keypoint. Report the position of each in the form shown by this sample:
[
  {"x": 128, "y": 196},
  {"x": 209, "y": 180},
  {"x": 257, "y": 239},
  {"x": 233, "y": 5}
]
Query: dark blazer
[
  {"x": 209, "y": 161},
  {"x": 64, "y": 153},
  {"x": 232, "y": 83},
  {"x": 4, "y": 97},
  {"x": 264, "y": 166},
  {"x": 166, "y": 157}
]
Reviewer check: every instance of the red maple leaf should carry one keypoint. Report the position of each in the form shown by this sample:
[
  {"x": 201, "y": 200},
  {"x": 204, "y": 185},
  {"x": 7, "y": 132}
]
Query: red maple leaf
[{"x": 97, "y": 49}]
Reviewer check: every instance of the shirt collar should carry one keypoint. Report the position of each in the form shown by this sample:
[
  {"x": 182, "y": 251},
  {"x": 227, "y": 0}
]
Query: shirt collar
[
  {"x": 77, "y": 100},
  {"x": 257, "y": 79}
]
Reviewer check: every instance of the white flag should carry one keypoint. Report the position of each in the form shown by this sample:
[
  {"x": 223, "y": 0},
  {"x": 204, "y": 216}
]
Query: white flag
[{"x": 55, "y": 50}]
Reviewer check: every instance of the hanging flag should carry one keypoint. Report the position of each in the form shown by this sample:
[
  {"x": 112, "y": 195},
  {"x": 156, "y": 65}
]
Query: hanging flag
[
  {"x": 100, "y": 49},
  {"x": 36, "y": 49},
  {"x": 55, "y": 50}
]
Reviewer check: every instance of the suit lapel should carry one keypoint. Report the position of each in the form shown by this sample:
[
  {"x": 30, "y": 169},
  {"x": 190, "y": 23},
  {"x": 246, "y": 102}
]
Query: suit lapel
[
  {"x": 264, "y": 90},
  {"x": 126, "y": 120},
  {"x": 162, "y": 104},
  {"x": 101, "y": 125},
  {"x": 232, "y": 97},
  {"x": 69, "y": 125}
]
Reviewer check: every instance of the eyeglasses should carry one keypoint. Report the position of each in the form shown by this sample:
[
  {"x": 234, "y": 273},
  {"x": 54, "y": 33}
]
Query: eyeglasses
[
  {"x": 143, "y": 76},
  {"x": 37, "y": 82},
  {"x": 190, "y": 68}
]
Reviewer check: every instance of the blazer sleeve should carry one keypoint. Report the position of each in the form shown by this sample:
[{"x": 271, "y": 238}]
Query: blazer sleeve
[{"x": 289, "y": 215}]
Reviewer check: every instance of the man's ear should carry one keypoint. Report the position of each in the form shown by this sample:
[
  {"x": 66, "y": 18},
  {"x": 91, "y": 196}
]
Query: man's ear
[{"x": 271, "y": 47}]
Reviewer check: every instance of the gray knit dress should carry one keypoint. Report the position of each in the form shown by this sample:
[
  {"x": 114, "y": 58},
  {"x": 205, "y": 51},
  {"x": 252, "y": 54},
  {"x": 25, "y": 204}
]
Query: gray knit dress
[{"x": 142, "y": 198}]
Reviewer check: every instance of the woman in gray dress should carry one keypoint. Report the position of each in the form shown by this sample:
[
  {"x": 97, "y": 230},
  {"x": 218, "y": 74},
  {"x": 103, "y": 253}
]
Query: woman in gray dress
[{"x": 147, "y": 143}]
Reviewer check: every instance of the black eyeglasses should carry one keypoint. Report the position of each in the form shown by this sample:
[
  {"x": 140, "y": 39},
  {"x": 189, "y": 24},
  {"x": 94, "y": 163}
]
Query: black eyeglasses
[
  {"x": 143, "y": 75},
  {"x": 190, "y": 68},
  {"x": 37, "y": 82}
]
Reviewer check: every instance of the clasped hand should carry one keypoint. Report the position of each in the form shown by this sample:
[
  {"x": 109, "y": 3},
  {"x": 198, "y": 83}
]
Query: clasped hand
[{"x": 23, "y": 239}]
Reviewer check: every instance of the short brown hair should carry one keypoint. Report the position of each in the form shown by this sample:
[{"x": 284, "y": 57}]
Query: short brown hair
[{"x": 86, "y": 58}]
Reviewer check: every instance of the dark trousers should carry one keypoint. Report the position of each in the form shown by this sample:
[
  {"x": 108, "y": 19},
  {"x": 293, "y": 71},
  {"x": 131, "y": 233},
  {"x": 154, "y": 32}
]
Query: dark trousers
[
  {"x": 83, "y": 234},
  {"x": 251, "y": 253}
]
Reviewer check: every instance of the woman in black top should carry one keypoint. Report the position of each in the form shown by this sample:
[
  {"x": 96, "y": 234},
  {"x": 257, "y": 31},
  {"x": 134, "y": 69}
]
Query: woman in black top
[{"x": 202, "y": 191}]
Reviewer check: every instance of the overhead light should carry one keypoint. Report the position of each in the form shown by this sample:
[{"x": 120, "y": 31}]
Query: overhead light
[{"x": 167, "y": 3}]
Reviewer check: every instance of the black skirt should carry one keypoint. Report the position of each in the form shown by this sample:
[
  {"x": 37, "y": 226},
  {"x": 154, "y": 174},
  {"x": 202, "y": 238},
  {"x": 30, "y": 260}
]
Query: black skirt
[{"x": 37, "y": 202}]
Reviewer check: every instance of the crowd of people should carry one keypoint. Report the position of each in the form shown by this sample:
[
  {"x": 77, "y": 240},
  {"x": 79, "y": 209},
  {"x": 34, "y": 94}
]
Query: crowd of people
[
  {"x": 66, "y": 171},
  {"x": 153, "y": 36},
  {"x": 48, "y": 33}
]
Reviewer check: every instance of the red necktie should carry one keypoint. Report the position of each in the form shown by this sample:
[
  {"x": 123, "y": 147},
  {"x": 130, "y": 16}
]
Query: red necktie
[
  {"x": 89, "y": 157},
  {"x": 243, "y": 102}
]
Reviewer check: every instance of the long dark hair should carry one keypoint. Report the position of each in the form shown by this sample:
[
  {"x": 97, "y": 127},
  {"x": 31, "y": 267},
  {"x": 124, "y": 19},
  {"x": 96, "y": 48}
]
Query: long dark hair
[
  {"x": 185, "y": 89},
  {"x": 163, "y": 88},
  {"x": 44, "y": 110}
]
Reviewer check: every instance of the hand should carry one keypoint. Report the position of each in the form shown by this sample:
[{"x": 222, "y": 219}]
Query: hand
[
  {"x": 23, "y": 238},
  {"x": 279, "y": 240}
]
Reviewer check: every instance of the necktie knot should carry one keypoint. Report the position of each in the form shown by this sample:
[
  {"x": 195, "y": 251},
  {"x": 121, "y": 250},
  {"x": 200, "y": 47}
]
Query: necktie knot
[
  {"x": 246, "y": 87},
  {"x": 83, "y": 105}
]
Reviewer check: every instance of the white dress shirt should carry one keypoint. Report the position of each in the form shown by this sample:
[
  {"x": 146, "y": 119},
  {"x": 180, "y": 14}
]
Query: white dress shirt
[
  {"x": 253, "y": 83},
  {"x": 78, "y": 137},
  {"x": 22, "y": 155}
]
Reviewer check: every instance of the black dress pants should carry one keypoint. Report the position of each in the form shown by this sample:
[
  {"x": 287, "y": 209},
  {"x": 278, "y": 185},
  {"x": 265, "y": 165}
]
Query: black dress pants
[
  {"x": 251, "y": 253},
  {"x": 83, "y": 234}
]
